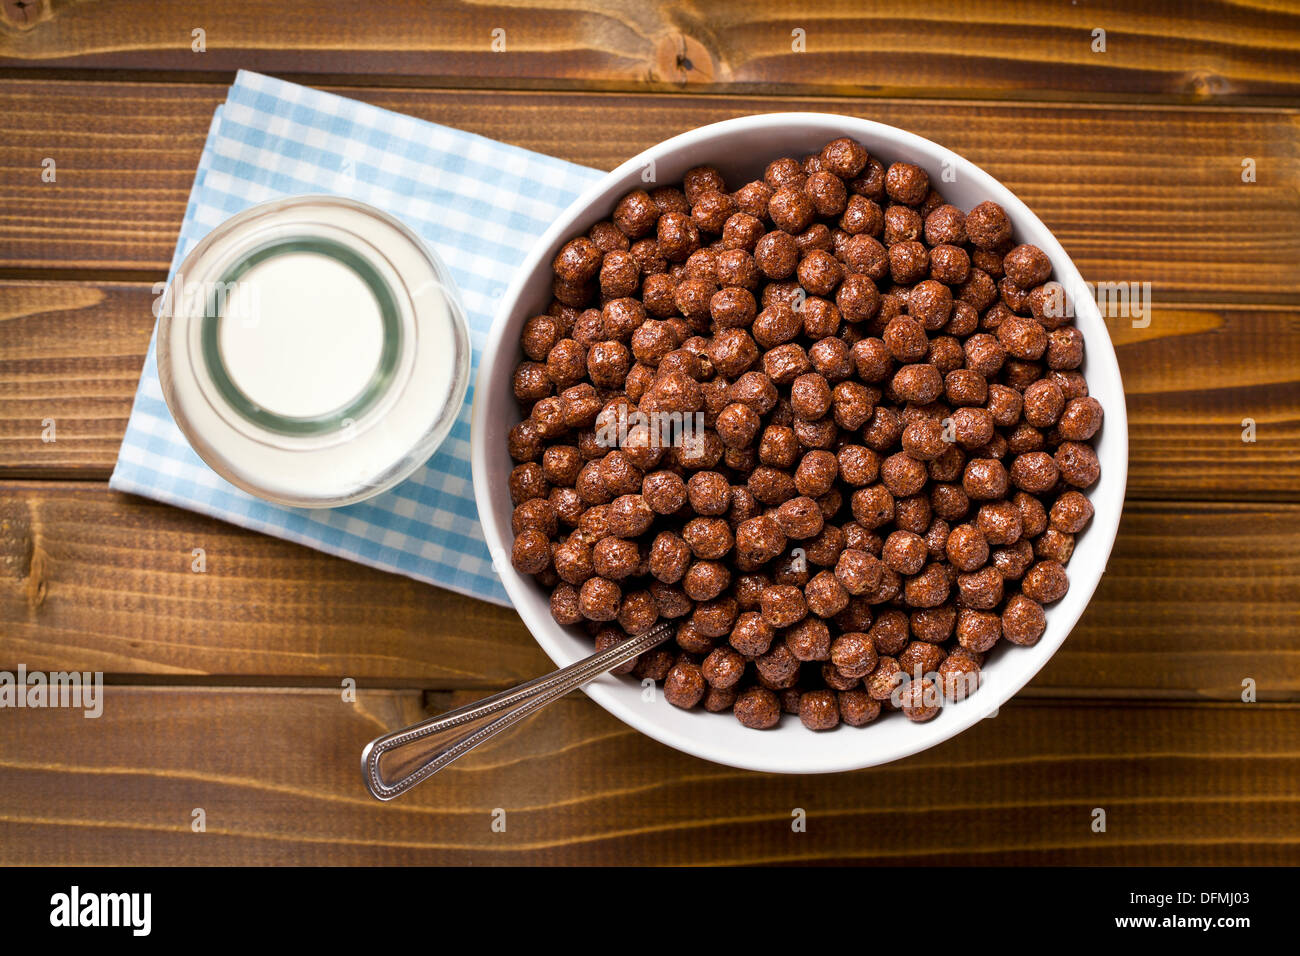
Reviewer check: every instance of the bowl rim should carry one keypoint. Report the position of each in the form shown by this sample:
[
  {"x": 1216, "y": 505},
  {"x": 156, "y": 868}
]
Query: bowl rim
[{"x": 1105, "y": 522}]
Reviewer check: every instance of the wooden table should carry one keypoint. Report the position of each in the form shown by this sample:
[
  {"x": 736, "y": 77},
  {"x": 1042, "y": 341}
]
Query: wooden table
[{"x": 225, "y": 685}]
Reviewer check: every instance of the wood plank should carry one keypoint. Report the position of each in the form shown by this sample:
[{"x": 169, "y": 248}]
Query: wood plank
[
  {"x": 261, "y": 606},
  {"x": 73, "y": 352},
  {"x": 1135, "y": 194},
  {"x": 1203, "y": 52},
  {"x": 70, "y": 354},
  {"x": 1180, "y": 785},
  {"x": 1197, "y": 598}
]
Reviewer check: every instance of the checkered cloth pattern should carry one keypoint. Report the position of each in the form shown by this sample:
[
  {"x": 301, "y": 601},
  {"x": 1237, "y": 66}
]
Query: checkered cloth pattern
[{"x": 479, "y": 203}]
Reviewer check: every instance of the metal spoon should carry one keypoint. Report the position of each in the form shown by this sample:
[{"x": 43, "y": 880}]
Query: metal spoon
[{"x": 396, "y": 762}]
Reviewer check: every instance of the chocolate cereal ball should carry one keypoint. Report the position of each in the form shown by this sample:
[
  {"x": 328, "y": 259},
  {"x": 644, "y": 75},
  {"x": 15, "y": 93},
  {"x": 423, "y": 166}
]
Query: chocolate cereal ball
[
  {"x": 861, "y": 217},
  {"x": 881, "y": 683},
  {"x": 827, "y": 193},
  {"x": 1043, "y": 403},
  {"x": 1023, "y": 620},
  {"x": 678, "y": 236},
  {"x": 1001, "y": 522},
  {"x": 636, "y": 214},
  {"x": 690, "y": 640},
  {"x": 757, "y": 708},
  {"x": 527, "y": 480},
  {"x": 816, "y": 473},
  {"x": 700, "y": 180},
  {"x": 1080, "y": 419},
  {"x": 717, "y": 617},
  {"x": 984, "y": 479},
  {"x": 654, "y": 664},
  {"x": 615, "y": 558},
  {"x": 799, "y": 518},
  {"x": 901, "y": 225},
  {"x": 783, "y": 605},
  {"x": 669, "y": 557},
  {"x": 1014, "y": 560},
  {"x": 751, "y": 635},
  {"x": 777, "y": 255},
  {"x": 929, "y": 588},
  {"x": 630, "y": 515},
  {"x": 1070, "y": 513},
  {"x": 967, "y": 548},
  {"x": 920, "y": 700},
  {"x": 723, "y": 667},
  {"x": 918, "y": 383},
  {"x": 863, "y": 254},
  {"x": 1035, "y": 472},
  {"x": 1045, "y": 582},
  {"x": 1022, "y": 338},
  {"x": 920, "y": 657},
  {"x": 819, "y": 272},
  {"x": 752, "y": 198},
  {"x": 853, "y": 654},
  {"x": 857, "y": 709},
  {"x": 824, "y": 595},
  {"x": 809, "y": 640},
  {"x": 987, "y": 226},
  {"x": 759, "y": 540},
  {"x": 791, "y": 210},
  {"x": 945, "y": 225},
  {"x": 906, "y": 183},
  {"x": 599, "y": 599},
  {"x": 778, "y": 668},
  {"x": 844, "y": 157},
  {"x": 858, "y": 572},
  {"x": 531, "y": 553},
  {"x": 537, "y": 514},
  {"x": 905, "y": 552},
  {"x": 638, "y": 612},
  {"x": 857, "y": 298},
  {"x": 565, "y": 608},
  {"x": 1064, "y": 350},
  {"x": 685, "y": 685},
  {"x": 578, "y": 261},
  {"x": 1077, "y": 463},
  {"x": 819, "y": 710},
  {"x": 959, "y": 674},
  {"x": 664, "y": 491},
  {"x": 980, "y": 589},
  {"x": 978, "y": 630},
  {"x": 870, "y": 182},
  {"x": 908, "y": 262},
  {"x": 1027, "y": 266},
  {"x": 720, "y": 700},
  {"x": 709, "y": 493},
  {"x": 711, "y": 210}
]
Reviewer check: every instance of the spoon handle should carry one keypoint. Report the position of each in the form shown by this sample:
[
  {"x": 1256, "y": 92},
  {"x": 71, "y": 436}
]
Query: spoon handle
[{"x": 396, "y": 762}]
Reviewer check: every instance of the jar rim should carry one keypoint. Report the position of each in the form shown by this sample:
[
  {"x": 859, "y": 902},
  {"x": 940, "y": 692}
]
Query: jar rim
[{"x": 379, "y": 436}]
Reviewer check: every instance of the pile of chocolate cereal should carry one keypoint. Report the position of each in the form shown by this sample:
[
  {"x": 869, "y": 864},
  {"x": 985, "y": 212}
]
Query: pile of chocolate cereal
[{"x": 892, "y": 437}]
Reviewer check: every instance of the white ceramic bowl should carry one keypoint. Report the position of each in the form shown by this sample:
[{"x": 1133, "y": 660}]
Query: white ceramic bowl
[{"x": 740, "y": 149}]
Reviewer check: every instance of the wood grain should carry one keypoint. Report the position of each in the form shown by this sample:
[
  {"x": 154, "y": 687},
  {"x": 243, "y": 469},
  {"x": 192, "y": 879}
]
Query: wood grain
[
  {"x": 1215, "y": 52},
  {"x": 1197, "y": 598},
  {"x": 73, "y": 352},
  {"x": 1206, "y": 784},
  {"x": 70, "y": 352},
  {"x": 261, "y": 607},
  {"x": 1135, "y": 195}
]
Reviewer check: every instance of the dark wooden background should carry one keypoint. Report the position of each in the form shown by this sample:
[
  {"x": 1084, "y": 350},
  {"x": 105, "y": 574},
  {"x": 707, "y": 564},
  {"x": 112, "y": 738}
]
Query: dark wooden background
[{"x": 225, "y": 685}]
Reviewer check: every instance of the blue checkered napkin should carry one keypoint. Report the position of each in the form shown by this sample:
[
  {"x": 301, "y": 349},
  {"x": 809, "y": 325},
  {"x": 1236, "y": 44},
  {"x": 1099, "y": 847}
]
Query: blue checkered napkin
[{"x": 479, "y": 203}]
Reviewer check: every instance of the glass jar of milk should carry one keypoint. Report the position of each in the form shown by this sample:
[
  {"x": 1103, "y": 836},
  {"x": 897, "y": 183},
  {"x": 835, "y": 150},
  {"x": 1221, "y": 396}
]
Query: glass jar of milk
[{"x": 313, "y": 351}]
